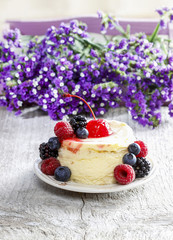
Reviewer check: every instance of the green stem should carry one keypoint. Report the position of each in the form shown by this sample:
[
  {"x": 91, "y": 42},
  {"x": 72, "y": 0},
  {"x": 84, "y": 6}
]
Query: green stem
[
  {"x": 86, "y": 41},
  {"x": 154, "y": 34},
  {"x": 121, "y": 30},
  {"x": 106, "y": 39}
]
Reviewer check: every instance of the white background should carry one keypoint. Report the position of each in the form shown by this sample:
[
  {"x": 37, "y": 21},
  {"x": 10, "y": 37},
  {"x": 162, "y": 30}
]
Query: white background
[{"x": 48, "y": 9}]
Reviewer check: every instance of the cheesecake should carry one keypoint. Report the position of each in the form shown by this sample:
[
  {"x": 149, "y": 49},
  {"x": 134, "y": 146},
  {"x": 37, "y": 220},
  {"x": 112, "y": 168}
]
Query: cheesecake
[{"x": 93, "y": 160}]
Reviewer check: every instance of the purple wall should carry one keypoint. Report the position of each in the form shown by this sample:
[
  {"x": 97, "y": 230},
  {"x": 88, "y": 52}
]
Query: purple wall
[{"x": 40, "y": 27}]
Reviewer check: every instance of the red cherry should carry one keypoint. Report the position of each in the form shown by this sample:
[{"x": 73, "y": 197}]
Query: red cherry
[{"x": 98, "y": 128}]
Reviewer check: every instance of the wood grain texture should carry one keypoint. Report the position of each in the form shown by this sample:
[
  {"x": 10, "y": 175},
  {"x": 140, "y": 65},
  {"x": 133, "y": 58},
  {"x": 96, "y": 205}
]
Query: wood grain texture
[{"x": 31, "y": 209}]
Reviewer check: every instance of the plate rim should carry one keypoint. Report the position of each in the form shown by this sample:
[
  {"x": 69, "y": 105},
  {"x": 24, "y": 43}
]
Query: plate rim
[{"x": 84, "y": 188}]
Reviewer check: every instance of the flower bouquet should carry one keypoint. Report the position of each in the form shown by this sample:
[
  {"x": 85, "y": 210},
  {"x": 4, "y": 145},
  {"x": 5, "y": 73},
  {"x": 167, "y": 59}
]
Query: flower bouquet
[{"x": 135, "y": 71}]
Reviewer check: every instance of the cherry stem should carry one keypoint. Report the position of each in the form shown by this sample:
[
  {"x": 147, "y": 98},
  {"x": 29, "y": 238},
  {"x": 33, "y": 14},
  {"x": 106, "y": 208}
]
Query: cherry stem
[{"x": 70, "y": 95}]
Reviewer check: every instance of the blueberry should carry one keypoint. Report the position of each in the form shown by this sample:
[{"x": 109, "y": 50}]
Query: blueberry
[
  {"x": 82, "y": 133},
  {"x": 129, "y": 159},
  {"x": 134, "y": 148},
  {"x": 54, "y": 143},
  {"x": 62, "y": 174}
]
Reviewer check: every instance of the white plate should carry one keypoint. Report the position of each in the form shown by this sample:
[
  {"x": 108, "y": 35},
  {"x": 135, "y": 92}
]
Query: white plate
[{"x": 78, "y": 187}]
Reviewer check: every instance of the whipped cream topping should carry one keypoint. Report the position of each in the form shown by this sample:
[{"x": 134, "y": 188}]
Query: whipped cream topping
[{"x": 122, "y": 135}]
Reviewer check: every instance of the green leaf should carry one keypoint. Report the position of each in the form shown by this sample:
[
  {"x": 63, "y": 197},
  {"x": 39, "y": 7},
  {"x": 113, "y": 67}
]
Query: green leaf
[
  {"x": 154, "y": 34},
  {"x": 11, "y": 83},
  {"x": 128, "y": 30},
  {"x": 105, "y": 85},
  {"x": 154, "y": 120}
]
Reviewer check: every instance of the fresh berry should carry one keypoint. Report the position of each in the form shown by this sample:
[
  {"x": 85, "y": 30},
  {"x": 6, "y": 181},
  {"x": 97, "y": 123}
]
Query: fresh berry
[
  {"x": 129, "y": 158},
  {"x": 46, "y": 152},
  {"x": 54, "y": 143},
  {"x": 98, "y": 128},
  {"x": 142, "y": 167},
  {"x": 62, "y": 174},
  {"x": 124, "y": 174},
  {"x": 49, "y": 165},
  {"x": 144, "y": 149},
  {"x": 134, "y": 148},
  {"x": 82, "y": 133},
  {"x": 63, "y": 130},
  {"x": 77, "y": 122}
]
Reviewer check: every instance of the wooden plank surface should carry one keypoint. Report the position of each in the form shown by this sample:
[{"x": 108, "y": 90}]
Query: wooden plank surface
[{"x": 31, "y": 209}]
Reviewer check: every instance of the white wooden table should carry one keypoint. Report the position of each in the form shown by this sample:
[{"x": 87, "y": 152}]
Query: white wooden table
[{"x": 31, "y": 209}]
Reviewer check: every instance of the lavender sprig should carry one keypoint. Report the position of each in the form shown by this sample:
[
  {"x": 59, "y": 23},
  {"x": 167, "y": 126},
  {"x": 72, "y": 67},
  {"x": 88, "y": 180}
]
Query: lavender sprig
[
  {"x": 110, "y": 22},
  {"x": 127, "y": 71},
  {"x": 166, "y": 16}
]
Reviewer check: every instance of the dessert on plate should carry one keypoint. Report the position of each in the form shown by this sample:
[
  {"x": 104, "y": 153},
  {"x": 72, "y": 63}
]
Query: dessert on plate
[{"x": 94, "y": 152}]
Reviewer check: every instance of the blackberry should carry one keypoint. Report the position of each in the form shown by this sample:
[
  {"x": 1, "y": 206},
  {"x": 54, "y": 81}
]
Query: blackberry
[
  {"x": 142, "y": 167},
  {"x": 77, "y": 122},
  {"x": 46, "y": 152}
]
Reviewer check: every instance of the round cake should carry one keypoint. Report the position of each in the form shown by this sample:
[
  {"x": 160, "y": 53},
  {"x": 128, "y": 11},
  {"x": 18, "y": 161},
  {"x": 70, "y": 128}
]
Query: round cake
[
  {"x": 94, "y": 152},
  {"x": 92, "y": 160}
]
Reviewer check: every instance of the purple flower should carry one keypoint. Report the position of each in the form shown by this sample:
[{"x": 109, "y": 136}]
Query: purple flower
[
  {"x": 163, "y": 23},
  {"x": 122, "y": 43},
  {"x": 170, "y": 107},
  {"x": 93, "y": 53},
  {"x": 103, "y": 29},
  {"x": 159, "y": 11},
  {"x": 143, "y": 121},
  {"x": 166, "y": 9},
  {"x": 166, "y": 16},
  {"x": 124, "y": 71},
  {"x": 13, "y": 37},
  {"x": 171, "y": 17},
  {"x": 100, "y": 14}
]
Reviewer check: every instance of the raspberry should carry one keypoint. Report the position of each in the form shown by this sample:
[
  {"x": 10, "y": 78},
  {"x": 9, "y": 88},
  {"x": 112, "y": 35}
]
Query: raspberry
[
  {"x": 124, "y": 174},
  {"x": 49, "y": 165},
  {"x": 144, "y": 149},
  {"x": 63, "y": 130},
  {"x": 98, "y": 128}
]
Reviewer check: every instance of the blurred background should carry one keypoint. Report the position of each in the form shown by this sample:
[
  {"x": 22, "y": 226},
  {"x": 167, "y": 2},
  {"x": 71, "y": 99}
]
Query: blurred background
[{"x": 53, "y": 9}]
